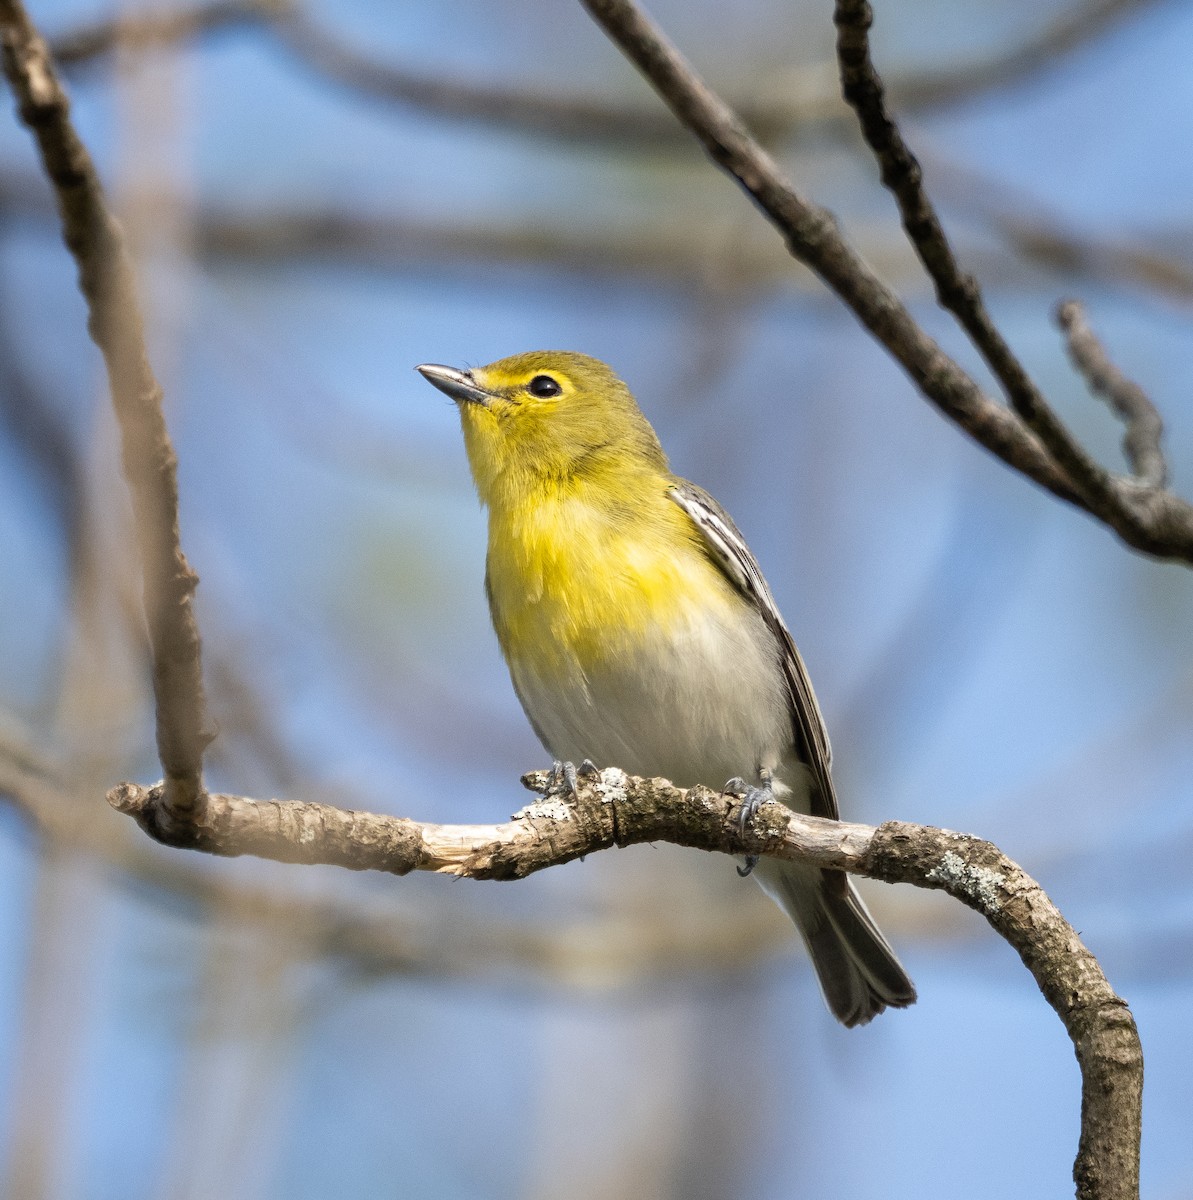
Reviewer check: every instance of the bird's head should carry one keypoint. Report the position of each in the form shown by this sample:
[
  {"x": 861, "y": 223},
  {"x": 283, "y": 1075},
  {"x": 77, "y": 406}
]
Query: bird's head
[{"x": 546, "y": 417}]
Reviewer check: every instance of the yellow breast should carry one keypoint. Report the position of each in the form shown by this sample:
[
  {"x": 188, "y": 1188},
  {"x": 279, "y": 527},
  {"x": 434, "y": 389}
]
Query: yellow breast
[{"x": 574, "y": 580}]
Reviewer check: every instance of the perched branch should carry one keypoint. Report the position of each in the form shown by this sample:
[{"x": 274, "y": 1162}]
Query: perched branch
[
  {"x": 106, "y": 280},
  {"x": 1141, "y": 442},
  {"x": 613, "y": 809},
  {"x": 1151, "y": 520},
  {"x": 458, "y": 939}
]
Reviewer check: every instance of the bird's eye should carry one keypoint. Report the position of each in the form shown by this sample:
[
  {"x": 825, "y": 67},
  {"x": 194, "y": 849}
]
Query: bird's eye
[{"x": 543, "y": 386}]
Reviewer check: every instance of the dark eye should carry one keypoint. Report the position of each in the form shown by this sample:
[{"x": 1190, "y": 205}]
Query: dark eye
[{"x": 543, "y": 385}]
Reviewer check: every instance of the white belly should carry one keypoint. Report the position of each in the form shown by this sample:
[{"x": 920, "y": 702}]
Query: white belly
[{"x": 700, "y": 703}]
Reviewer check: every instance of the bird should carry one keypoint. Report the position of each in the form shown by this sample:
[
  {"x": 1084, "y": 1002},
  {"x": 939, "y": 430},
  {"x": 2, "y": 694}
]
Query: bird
[{"x": 639, "y": 631}]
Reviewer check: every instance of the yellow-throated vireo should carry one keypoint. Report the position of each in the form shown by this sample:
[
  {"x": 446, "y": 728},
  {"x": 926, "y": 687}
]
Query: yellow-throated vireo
[{"x": 640, "y": 633}]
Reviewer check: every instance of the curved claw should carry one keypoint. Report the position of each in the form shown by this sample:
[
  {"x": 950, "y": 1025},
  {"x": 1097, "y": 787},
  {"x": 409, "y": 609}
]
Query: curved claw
[
  {"x": 562, "y": 780},
  {"x": 751, "y": 861},
  {"x": 753, "y": 798}
]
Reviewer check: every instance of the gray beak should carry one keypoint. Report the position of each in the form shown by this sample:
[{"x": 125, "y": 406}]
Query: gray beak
[{"x": 459, "y": 385}]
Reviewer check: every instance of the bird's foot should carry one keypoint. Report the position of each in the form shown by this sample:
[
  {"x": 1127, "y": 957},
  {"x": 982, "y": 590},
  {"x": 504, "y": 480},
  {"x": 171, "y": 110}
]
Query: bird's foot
[
  {"x": 563, "y": 778},
  {"x": 753, "y": 798}
]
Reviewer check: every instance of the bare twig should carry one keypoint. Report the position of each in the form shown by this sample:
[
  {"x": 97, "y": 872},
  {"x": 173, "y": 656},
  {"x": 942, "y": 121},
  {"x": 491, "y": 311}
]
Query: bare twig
[
  {"x": 1051, "y": 245},
  {"x": 1151, "y": 520},
  {"x": 1141, "y": 442},
  {"x": 613, "y": 809},
  {"x": 95, "y": 240},
  {"x": 956, "y": 291}
]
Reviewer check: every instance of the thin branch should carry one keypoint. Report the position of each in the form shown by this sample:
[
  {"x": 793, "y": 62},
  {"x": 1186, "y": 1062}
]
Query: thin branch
[
  {"x": 956, "y": 291},
  {"x": 1141, "y": 441},
  {"x": 106, "y": 280},
  {"x": 616, "y": 809},
  {"x": 1151, "y": 520},
  {"x": 613, "y": 809}
]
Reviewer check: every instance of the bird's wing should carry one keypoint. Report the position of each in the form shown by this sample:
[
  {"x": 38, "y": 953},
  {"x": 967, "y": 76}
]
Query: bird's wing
[{"x": 729, "y": 551}]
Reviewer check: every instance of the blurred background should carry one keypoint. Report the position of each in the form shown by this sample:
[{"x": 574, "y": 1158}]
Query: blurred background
[{"x": 320, "y": 198}]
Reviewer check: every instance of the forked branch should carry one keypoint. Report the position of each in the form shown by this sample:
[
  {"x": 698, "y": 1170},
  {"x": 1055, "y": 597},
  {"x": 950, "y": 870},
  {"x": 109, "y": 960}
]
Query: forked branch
[{"x": 1028, "y": 437}]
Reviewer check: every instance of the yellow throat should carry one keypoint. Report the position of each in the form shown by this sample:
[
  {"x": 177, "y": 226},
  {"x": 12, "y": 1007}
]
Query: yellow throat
[{"x": 583, "y": 537}]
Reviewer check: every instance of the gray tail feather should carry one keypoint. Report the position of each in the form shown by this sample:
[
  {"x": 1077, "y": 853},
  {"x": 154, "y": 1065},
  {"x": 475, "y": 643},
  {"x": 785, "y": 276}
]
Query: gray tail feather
[{"x": 858, "y": 971}]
